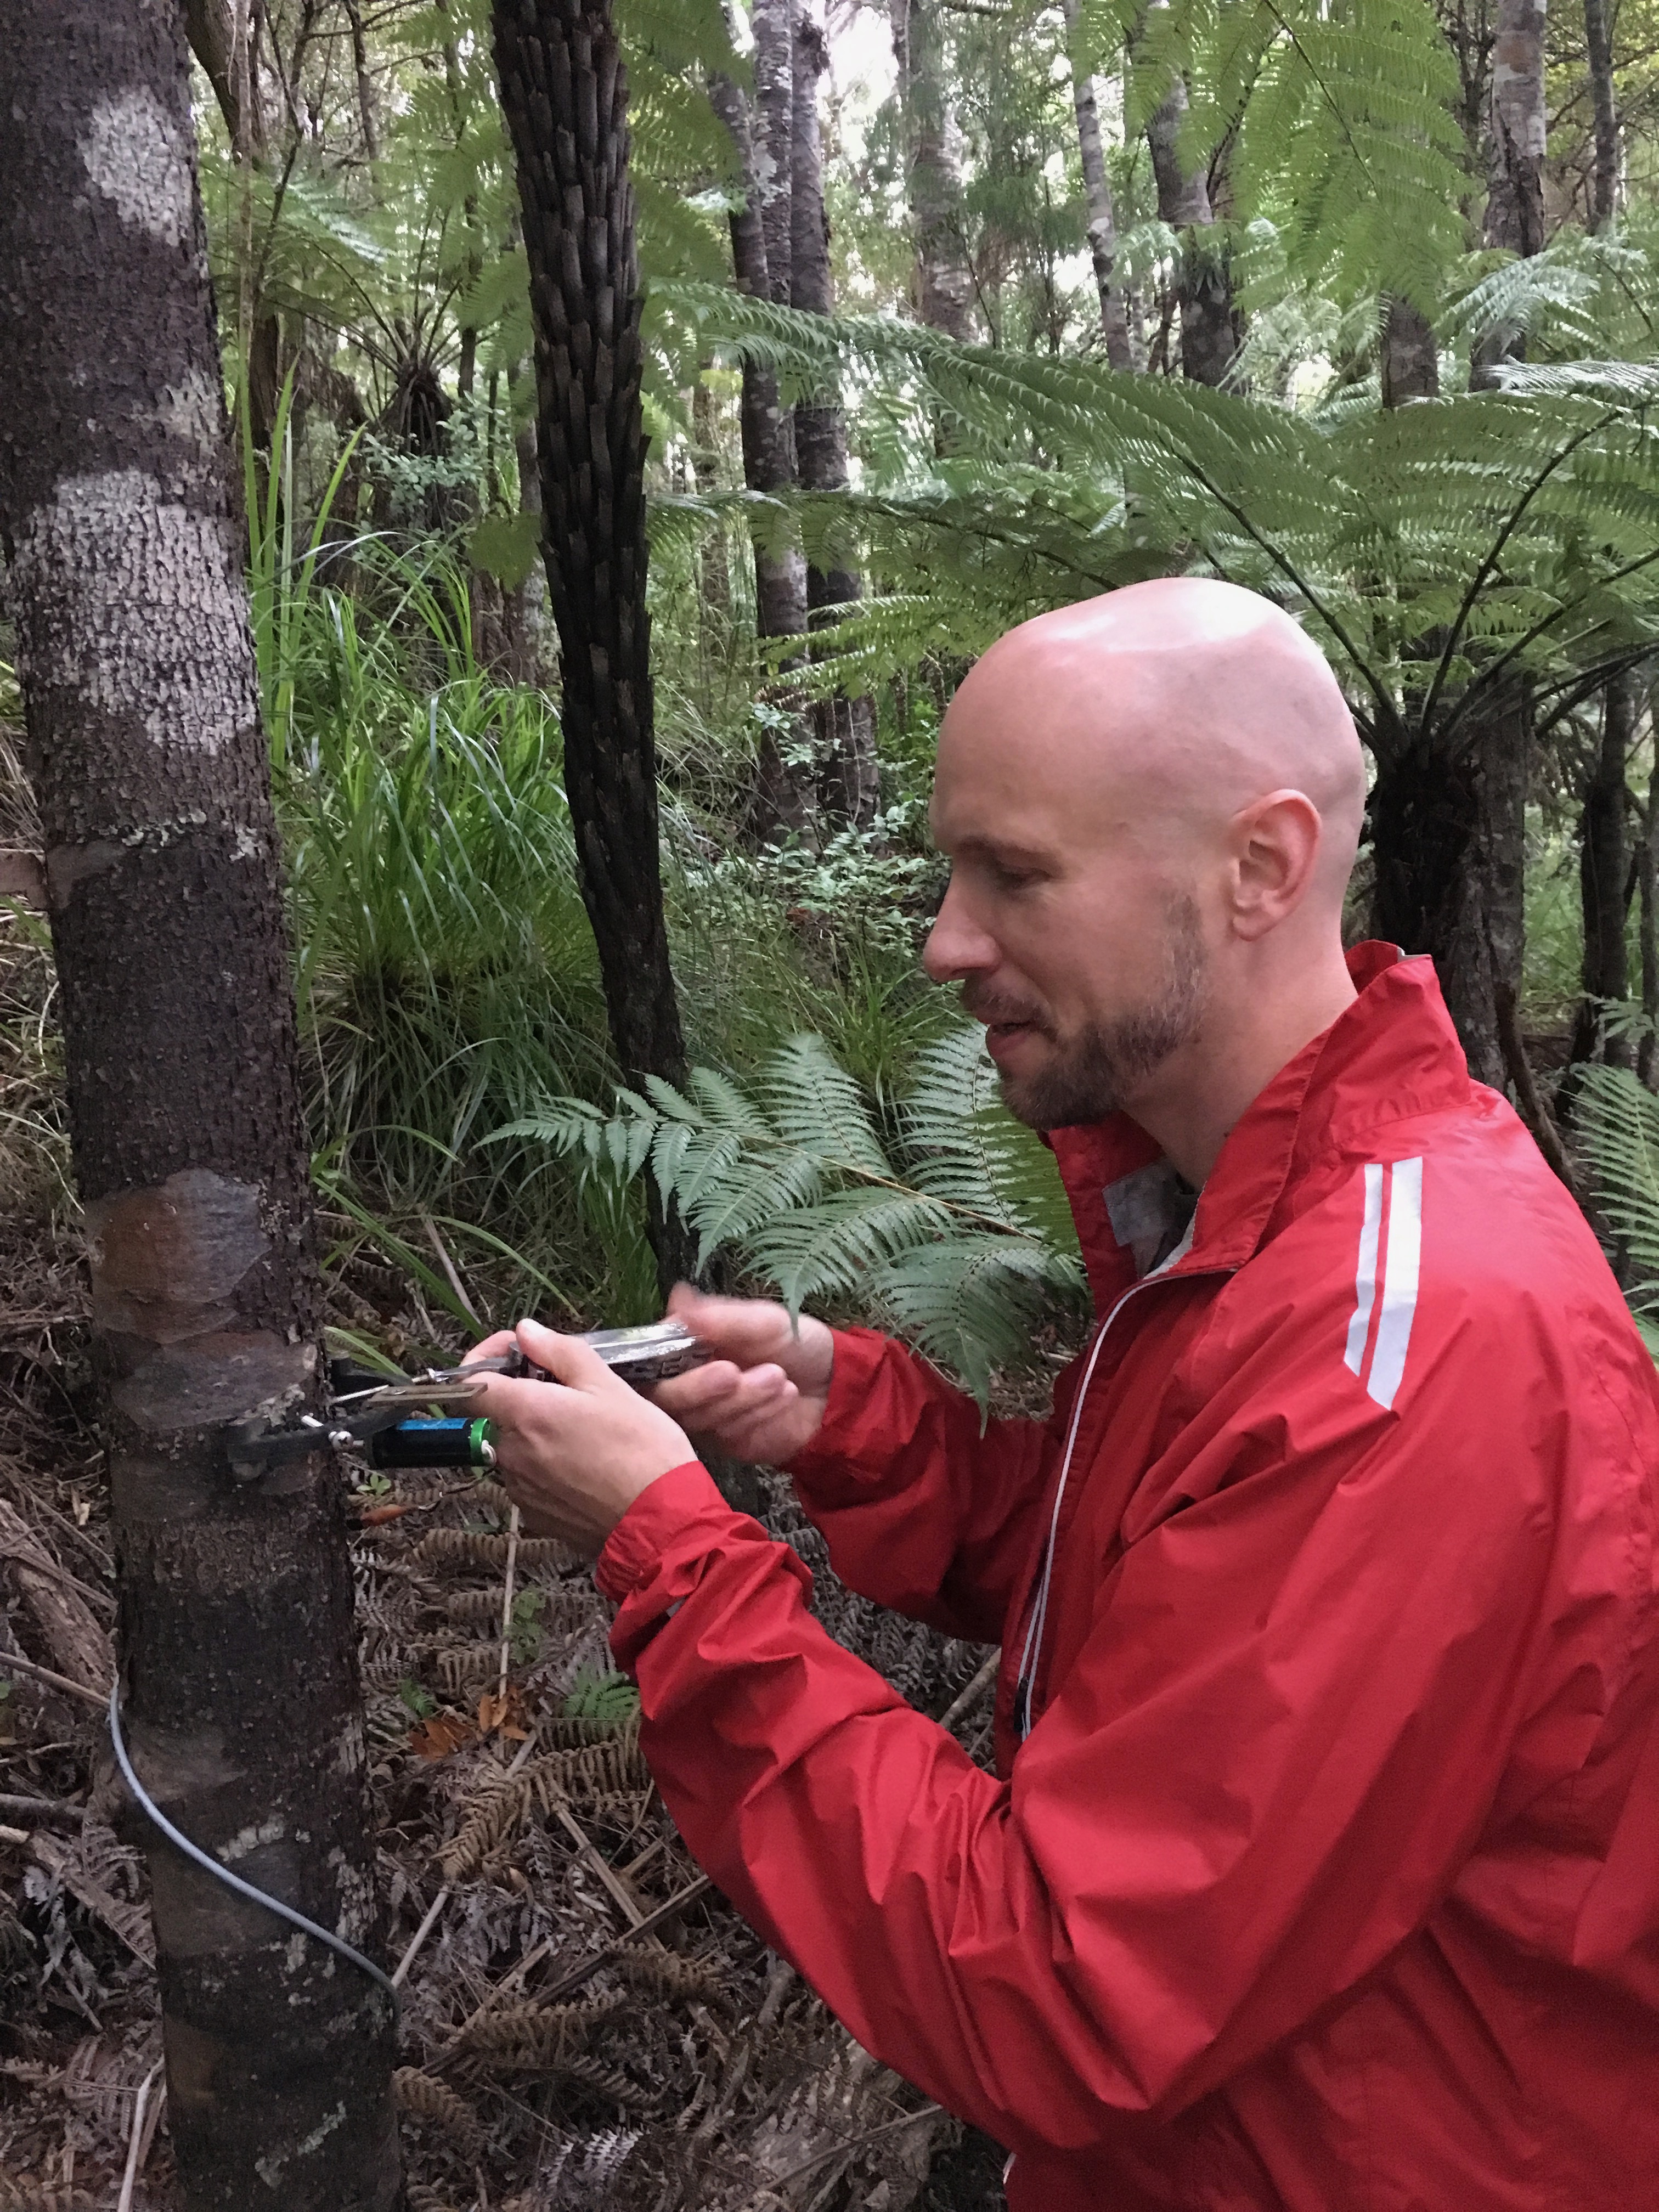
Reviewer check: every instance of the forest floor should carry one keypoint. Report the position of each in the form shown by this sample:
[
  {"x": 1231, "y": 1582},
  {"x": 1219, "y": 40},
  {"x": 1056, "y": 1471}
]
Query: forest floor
[{"x": 586, "y": 2022}]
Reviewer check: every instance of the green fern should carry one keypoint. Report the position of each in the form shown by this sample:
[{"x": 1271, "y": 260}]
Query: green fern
[
  {"x": 1617, "y": 1123},
  {"x": 939, "y": 1217}
]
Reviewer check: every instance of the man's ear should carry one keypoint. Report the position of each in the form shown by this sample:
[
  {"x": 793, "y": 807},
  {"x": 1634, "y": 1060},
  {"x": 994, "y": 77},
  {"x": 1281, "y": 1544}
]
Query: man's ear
[{"x": 1275, "y": 849}]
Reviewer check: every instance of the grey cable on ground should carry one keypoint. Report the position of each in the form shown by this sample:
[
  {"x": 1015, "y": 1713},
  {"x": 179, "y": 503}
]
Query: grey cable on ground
[{"x": 210, "y": 1865}]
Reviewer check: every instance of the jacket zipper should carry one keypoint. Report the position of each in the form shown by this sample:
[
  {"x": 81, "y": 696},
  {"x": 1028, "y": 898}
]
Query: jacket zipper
[{"x": 1025, "y": 1683}]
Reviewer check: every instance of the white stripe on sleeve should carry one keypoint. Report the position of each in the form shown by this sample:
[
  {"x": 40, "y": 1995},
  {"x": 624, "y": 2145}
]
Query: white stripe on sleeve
[
  {"x": 1400, "y": 1271},
  {"x": 1365, "y": 1282}
]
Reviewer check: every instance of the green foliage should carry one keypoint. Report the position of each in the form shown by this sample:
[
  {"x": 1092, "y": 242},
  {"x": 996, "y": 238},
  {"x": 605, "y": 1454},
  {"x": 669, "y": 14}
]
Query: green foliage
[
  {"x": 937, "y": 1211},
  {"x": 608, "y": 1697},
  {"x": 1617, "y": 1127}
]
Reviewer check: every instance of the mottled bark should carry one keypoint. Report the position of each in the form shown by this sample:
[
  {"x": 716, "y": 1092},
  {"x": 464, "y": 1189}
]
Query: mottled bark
[
  {"x": 1604, "y": 878},
  {"x": 772, "y": 128},
  {"x": 1097, "y": 195},
  {"x": 564, "y": 92},
  {"x": 714, "y": 576},
  {"x": 166, "y": 915},
  {"x": 1212, "y": 329},
  {"x": 848, "y": 783},
  {"x": 1519, "y": 126},
  {"x": 944, "y": 278},
  {"x": 783, "y": 797},
  {"x": 1449, "y": 845},
  {"x": 1411, "y": 360},
  {"x": 1604, "y": 175}
]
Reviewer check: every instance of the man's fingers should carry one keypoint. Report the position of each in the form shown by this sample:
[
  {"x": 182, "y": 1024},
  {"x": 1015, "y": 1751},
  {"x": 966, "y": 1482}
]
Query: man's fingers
[
  {"x": 492, "y": 1347},
  {"x": 566, "y": 1359},
  {"x": 742, "y": 1329}
]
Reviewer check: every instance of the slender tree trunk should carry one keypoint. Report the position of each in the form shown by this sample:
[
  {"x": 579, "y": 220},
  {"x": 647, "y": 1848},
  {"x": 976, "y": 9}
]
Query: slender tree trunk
[
  {"x": 944, "y": 279},
  {"x": 1097, "y": 194},
  {"x": 714, "y": 577},
  {"x": 365, "y": 84},
  {"x": 1517, "y": 127},
  {"x": 783, "y": 795},
  {"x": 1210, "y": 327},
  {"x": 1604, "y": 177},
  {"x": 139, "y": 689},
  {"x": 1647, "y": 881},
  {"x": 564, "y": 92},
  {"x": 849, "y": 785},
  {"x": 1604, "y": 876},
  {"x": 1411, "y": 360}
]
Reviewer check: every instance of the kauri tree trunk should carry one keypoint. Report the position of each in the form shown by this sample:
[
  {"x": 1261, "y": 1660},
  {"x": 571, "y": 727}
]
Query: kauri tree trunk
[
  {"x": 1097, "y": 195},
  {"x": 240, "y": 1685},
  {"x": 849, "y": 785},
  {"x": 1211, "y": 328},
  {"x": 564, "y": 92}
]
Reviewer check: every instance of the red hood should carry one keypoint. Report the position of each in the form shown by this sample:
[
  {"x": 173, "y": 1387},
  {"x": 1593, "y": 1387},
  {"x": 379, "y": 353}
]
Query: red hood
[{"x": 1393, "y": 1052}]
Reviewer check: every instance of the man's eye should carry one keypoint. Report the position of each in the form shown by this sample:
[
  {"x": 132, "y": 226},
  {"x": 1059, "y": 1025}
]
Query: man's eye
[{"x": 1013, "y": 879}]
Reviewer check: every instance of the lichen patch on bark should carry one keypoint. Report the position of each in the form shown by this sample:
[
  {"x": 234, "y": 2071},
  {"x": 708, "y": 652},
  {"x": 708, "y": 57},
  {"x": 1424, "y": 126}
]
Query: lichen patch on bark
[
  {"x": 132, "y": 598},
  {"x": 136, "y": 156}
]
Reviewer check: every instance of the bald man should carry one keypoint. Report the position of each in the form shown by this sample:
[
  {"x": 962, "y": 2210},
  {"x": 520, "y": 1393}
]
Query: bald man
[{"x": 1320, "y": 1867}]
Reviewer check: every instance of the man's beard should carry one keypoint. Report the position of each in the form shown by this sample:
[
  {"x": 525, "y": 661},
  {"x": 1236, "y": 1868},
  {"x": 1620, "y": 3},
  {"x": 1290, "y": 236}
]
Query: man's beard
[{"x": 1091, "y": 1076}]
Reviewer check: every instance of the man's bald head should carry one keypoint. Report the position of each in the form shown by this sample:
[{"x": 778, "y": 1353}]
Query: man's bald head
[
  {"x": 1132, "y": 791},
  {"x": 1181, "y": 699}
]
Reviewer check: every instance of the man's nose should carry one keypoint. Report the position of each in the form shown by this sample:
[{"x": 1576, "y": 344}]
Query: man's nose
[{"x": 957, "y": 946}]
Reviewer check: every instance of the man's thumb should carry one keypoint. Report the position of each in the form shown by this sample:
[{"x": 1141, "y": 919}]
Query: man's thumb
[{"x": 566, "y": 1359}]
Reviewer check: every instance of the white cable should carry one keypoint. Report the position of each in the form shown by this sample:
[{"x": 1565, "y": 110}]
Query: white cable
[{"x": 223, "y": 1874}]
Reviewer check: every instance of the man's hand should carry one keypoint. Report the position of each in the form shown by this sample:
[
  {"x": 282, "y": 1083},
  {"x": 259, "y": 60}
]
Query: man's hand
[
  {"x": 763, "y": 1394},
  {"x": 574, "y": 1453}
]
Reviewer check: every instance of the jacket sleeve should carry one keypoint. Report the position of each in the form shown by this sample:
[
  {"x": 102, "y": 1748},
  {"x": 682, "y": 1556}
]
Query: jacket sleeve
[
  {"x": 926, "y": 1508},
  {"x": 1275, "y": 1750}
]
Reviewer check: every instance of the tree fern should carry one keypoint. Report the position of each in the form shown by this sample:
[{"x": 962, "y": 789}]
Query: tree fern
[
  {"x": 937, "y": 1214},
  {"x": 1617, "y": 1121}
]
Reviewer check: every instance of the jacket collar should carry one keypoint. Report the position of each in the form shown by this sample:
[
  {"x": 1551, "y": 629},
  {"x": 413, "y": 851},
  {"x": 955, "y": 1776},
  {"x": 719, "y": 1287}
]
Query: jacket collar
[{"x": 1392, "y": 1053}]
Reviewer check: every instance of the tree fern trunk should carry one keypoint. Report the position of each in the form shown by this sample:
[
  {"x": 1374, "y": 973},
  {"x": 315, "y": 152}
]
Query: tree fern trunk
[
  {"x": 1448, "y": 845},
  {"x": 564, "y": 94},
  {"x": 1210, "y": 331},
  {"x": 1604, "y": 878},
  {"x": 162, "y": 863},
  {"x": 849, "y": 787},
  {"x": 1097, "y": 193},
  {"x": 1411, "y": 360}
]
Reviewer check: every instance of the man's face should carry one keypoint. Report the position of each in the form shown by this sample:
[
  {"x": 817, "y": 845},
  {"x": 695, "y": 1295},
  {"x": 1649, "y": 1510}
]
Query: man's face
[{"x": 1075, "y": 942}]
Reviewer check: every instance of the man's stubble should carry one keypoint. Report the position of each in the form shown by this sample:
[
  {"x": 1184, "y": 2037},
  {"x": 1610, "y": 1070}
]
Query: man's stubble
[{"x": 1106, "y": 1062}]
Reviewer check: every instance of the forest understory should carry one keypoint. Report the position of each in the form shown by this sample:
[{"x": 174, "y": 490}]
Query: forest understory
[{"x": 550, "y": 2053}]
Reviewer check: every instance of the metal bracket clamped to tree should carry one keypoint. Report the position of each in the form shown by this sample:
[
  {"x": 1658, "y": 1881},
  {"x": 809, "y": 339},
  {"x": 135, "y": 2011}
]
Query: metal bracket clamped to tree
[{"x": 394, "y": 1424}]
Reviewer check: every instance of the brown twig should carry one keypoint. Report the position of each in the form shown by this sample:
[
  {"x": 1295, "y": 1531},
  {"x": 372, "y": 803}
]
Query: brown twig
[
  {"x": 11, "y": 1660},
  {"x": 969, "y": 1698}
]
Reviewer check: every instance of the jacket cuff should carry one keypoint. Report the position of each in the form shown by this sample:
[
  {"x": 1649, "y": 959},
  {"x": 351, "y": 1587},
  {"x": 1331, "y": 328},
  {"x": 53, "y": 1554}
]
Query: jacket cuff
[
  {"x": 829, "y": 1467},
  {"x": 680, "y": 1505}
]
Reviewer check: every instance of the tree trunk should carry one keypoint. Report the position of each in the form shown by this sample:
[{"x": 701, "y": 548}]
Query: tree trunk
[
  {"x": 1211, "y": 328},
  {"x": 1411, "y": 360},
  {"x": 139, "y": 690},
  {"x": 564, "y": 92},
  {"x": 1604, "y": 177},
  {"x": 1604, "y": 878},
  {"x": 714, "y": 578},
  {"x": 1097, "y": 194},
  {"x": 848, "y": 786},
  {"x": 1519, "y": 124},
  {"x": 944, "y": 279},
  {"x": 783, "y": 797},
  {"x": 1647, "y": 881},
  {"x": 1448, "y": 847},
  {"x": 524, "y": 605}
]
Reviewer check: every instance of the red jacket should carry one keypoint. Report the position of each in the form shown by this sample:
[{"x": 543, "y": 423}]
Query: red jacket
[{"x": 1327, "y": 1876}]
